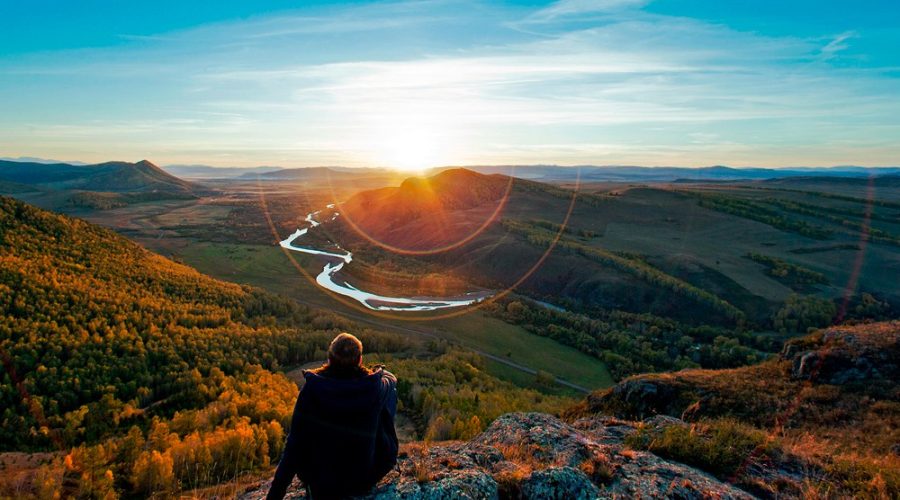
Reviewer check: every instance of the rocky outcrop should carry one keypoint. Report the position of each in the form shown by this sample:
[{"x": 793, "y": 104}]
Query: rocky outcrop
[
  {"x": 530, "y": 455},
  {"x": 841, "y": 355},
  {"x": 533, "y": 455},
  {"x": 865, "y": 354}
]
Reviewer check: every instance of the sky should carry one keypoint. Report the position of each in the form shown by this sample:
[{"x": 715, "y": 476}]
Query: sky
[{"x": 415, "y": 84}]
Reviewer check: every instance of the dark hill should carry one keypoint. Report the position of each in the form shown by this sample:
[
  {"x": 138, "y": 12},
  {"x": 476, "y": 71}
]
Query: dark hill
[
  {"x": 882, "y": 181},
  {"x": 123, "y": 177},
  {"x": 426, "y": 213}
]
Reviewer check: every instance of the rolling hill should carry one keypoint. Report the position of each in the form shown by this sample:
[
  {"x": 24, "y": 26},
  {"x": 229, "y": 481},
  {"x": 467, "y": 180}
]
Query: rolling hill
[
  {"x": 88, "y": 188},
  {"x": 425, "y": 213},
  {"x": 90, "y": 320},
  {"x": 120, "y": 177},
  {"x": 638, "y": 248}
]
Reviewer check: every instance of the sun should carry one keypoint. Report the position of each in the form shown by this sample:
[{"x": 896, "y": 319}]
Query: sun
[{"x": 410, "y": 148}]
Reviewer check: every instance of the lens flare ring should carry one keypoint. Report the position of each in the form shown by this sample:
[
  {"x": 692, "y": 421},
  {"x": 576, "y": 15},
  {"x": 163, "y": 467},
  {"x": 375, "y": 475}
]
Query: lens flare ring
[{"x": 463, "y": 310}]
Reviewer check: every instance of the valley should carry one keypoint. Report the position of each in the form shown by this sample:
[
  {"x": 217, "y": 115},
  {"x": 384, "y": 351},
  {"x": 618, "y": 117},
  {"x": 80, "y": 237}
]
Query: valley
[
  {"x": 537, "y": 294},
  {"x": 672, "y": 272}
]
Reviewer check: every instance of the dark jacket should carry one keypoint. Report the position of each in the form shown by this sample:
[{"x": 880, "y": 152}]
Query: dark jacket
[{"x": 342, "y": 439}]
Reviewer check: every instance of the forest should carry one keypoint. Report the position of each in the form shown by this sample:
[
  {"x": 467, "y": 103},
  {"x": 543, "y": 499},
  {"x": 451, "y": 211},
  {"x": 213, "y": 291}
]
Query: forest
[
  {"x": 138, "y": 374},
  {"x": 636, "y": 343}
]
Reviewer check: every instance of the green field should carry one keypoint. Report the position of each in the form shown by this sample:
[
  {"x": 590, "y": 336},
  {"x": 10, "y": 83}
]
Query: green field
[{"x": 500, "y": 338}]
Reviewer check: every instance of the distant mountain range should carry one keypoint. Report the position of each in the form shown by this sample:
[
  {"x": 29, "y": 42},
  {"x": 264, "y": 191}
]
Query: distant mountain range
[
  {"x": 546, "y": 173},
  {"x": 591, "y": 173},
  {"x": 553, "y": 173},
  {"x": 208, "y": 172},
  {"x": 31, "y": 159}
]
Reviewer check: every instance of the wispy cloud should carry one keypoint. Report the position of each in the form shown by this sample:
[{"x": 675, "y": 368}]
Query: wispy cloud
[
  {"x": 837, "y": 44},
  {"x": 563, "y": 8}
]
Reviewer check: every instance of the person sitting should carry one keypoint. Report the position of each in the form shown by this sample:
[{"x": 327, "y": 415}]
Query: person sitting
[{"x": 342, "y": 439}]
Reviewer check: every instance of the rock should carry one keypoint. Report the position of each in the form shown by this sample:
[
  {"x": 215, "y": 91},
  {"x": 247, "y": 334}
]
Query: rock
[
  {"x": 844, "y": 355},
  {"x": 605, "y": 430},
  {"x": 539, "y": 437},
  {"x": 645, "y": 475},
  {"x": 663, "y": 421},
  {"x": 644, "y": 397},
  {"x": 534, "y": 455},
  {"x": 789, "y": 351},
  {"x": 559, "y": 483},
  {"x": 805, "y": 365},
  {"x": 462, "y": 484}
]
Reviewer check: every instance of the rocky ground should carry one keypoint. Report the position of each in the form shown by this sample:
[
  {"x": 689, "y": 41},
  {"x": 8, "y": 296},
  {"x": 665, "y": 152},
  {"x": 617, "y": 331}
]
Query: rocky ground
[
  {"x": 534, "y": 455},
  {"x": 837, "y": 387}
]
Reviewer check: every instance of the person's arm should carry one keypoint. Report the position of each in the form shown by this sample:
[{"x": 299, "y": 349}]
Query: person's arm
[
  {"x": 290, "y": 459},
  {"x": 390, "y": 392},
  {"x": 386, "y": 375}
]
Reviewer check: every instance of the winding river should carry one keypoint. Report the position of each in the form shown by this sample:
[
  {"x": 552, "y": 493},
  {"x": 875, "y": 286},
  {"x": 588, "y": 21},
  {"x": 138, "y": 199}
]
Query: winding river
[{"x": 327, "y": 278}]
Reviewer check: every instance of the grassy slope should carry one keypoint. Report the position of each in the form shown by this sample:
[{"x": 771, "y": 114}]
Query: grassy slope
[
  {"x": 705, "y": 247},
  {"x": 861, "y": 416},
  {"x": 269, "y": 268},
  {"x": 842, "y": 433}
]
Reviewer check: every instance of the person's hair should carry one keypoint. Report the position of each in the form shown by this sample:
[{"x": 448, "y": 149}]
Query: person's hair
[{"x": 345, "y": 352}]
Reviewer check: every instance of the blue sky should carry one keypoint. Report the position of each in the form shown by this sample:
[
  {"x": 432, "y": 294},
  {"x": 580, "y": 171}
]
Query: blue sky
[{"x": 422, "y": 83}]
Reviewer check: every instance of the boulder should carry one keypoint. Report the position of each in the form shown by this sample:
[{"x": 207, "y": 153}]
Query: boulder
[
  {"x": 559, "y": 483},
  {"x": 843, "y": 355}
]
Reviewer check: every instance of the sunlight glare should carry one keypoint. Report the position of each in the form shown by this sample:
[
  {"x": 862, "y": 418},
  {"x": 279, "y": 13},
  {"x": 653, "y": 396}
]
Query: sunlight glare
[{"x": 411, "y": 148}]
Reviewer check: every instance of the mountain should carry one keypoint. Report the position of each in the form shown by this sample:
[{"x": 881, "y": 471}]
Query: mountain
[
  {"x": 635, "y": 249},
  {"x": 122, "y": 177},
  {"x": 425, "y": 213},
  {"x": 109, "y": 325}
]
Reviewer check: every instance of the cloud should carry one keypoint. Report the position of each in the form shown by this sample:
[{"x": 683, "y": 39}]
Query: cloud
[
  {"x": 837, "y": 44},
  {"x": 564, "y": 8}
]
